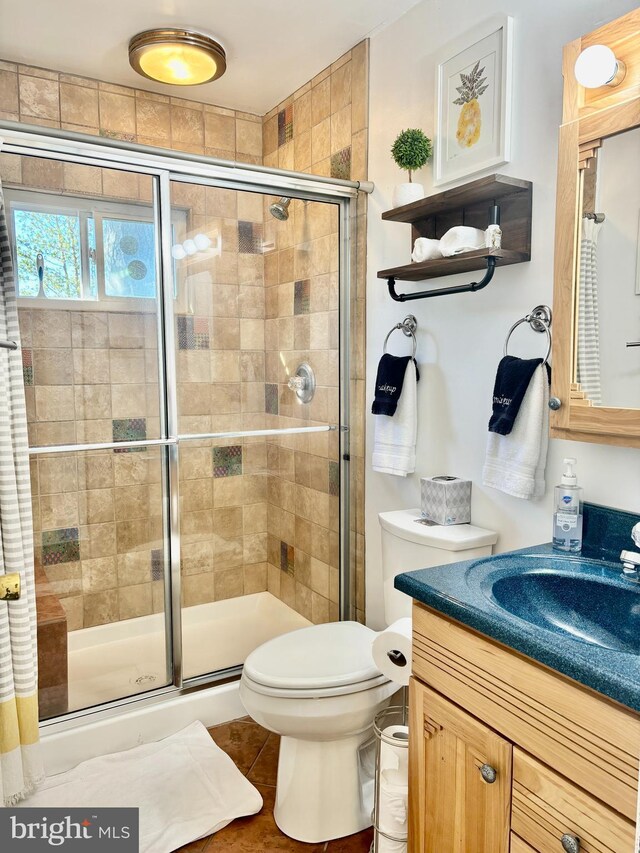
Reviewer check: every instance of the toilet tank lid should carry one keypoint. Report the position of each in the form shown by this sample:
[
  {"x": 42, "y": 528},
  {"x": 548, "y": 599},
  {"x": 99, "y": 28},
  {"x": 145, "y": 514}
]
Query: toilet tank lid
[{"x": 404, "y": 523}]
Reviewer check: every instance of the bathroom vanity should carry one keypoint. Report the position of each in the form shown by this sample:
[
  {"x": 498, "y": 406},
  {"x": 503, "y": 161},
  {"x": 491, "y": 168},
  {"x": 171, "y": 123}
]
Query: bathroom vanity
[{"x": 525, "y": 701}]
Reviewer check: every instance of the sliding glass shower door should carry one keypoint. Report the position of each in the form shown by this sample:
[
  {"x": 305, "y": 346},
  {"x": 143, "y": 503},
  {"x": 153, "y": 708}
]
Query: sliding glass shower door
[
  {"x": 184, "y": 364},
  {"x": 256, "y": 297}
]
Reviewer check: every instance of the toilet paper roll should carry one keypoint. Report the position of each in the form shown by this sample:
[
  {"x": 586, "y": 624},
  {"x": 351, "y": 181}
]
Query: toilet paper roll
[
  {"x": 392, "y": 756},
  {"x": 391, "y": 651}
]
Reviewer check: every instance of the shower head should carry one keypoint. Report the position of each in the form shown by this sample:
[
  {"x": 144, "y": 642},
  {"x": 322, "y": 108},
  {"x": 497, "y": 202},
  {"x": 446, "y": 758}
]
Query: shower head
[{"x": 280, "y": 209}]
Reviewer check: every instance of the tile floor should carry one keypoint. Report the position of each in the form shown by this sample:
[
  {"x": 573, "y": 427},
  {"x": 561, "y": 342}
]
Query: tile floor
[{"x": 255, "y": 752}]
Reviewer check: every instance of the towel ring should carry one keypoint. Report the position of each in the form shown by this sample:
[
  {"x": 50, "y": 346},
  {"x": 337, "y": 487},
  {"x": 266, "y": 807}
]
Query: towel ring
[
  {"x": 540, "y": 321},
  {"x": 408, "y": 326}
]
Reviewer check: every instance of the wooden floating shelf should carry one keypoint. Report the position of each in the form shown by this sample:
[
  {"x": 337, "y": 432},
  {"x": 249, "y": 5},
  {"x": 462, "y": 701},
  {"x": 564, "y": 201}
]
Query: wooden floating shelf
[
  {"x": 483, "y": 191},
  {"x": 467, "y": 262},
  {"x": 470, "y": 205}
]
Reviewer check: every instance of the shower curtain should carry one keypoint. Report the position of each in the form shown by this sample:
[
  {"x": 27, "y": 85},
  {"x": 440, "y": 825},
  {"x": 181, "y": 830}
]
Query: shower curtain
[
  {"x": 20, "y": 760},
  {"x": 588, "y": 326}
]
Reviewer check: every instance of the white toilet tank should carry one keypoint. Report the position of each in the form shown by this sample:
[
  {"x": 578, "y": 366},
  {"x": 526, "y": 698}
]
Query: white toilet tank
[{"x": 408, "y": 544}]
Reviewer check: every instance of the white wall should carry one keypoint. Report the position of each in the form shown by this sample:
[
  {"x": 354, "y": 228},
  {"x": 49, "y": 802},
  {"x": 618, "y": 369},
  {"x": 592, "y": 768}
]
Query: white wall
[{"x": 461, "y": 337}]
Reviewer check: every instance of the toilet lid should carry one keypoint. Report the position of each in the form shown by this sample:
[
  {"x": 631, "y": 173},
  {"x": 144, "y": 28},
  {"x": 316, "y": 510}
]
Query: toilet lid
[{"x": 329, "y": 655}]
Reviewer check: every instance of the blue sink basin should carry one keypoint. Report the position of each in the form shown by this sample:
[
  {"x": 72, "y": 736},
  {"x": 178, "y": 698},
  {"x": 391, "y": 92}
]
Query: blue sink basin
[{"x": 602, "y": 611}]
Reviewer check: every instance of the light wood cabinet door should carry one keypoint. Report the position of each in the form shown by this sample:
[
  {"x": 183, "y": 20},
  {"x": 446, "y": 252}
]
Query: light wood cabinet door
[{"x": 452, "y": 809}]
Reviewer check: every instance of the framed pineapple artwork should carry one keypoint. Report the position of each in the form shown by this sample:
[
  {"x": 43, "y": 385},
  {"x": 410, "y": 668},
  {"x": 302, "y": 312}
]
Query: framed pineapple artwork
[{"x": 473, "y": 102}]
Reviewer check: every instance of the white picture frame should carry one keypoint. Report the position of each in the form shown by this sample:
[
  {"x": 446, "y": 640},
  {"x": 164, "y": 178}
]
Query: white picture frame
[{"x": 473, "y": 102}]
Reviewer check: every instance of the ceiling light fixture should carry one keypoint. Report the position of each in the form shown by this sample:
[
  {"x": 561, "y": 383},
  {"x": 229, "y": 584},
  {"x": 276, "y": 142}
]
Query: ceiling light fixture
[
  {"x": 176, "y": 56},
  {"x": 598, "y": 66}
]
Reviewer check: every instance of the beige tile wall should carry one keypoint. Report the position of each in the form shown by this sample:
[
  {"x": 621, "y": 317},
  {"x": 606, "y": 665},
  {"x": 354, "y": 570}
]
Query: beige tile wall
[
  {"x": 233, "y": 527},
  {"x": 53, "y": 99},
  {"x": 322, "y": 128}
]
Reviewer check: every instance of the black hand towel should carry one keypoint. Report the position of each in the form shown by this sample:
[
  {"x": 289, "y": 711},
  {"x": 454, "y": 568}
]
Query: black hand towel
[
  {"x": 389, "y": 381},
  {"x": 512, "y": 381}
]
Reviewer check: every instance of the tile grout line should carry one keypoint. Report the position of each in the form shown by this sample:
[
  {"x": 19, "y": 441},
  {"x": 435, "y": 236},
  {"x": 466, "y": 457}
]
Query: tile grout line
[{"x": 256, "y": 759}]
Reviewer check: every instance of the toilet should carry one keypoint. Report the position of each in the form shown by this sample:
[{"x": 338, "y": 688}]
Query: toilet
[{"x": 319, "y": 688}]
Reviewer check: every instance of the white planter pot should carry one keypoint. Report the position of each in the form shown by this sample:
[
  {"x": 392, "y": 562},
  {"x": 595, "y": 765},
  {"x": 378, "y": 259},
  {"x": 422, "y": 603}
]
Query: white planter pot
[{"x": 406, "y": 193}]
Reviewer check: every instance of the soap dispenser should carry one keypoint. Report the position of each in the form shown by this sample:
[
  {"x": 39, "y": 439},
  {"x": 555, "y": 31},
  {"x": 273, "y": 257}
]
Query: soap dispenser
[{"x": 567, "y": 516}]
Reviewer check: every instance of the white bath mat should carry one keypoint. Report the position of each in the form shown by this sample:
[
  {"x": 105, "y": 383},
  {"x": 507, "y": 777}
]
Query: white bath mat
[{"x": 185, "y": 786}]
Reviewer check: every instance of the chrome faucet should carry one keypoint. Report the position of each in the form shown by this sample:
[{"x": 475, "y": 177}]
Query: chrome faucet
[{"x": 631, "y": 559}]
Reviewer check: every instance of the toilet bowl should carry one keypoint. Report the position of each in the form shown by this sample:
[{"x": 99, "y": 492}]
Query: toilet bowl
[{"x": 319, "y": 689}]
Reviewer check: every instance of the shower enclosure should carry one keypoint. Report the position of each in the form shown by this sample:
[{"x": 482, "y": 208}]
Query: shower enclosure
[{"x": 190, "y": 484}]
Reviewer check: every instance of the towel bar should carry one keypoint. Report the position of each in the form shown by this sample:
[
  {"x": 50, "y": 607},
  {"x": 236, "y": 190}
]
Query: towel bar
[{"x": 444, "y": 291}]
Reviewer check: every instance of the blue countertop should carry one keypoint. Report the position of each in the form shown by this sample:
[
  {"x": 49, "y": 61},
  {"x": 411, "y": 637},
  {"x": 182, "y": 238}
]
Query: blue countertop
[{"x": 462, "y": 591}]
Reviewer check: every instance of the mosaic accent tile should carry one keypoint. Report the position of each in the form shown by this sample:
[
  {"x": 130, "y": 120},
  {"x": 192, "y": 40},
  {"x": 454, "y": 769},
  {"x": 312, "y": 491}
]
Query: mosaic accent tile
[
  {"x": 27, "y": 366},
  {"x": 271, "y": 399},
  {"x": 301, "y": 296},
  {"x": 334, "y": 478},
  {"x": 287, "y": 558},
  {"x": 193, "y": 332},
  {"x": 129, "y": 429},
  {"x": 249, "y": 238},
  {"x": 285, "y": 125},
  {"x": 341, "y": 164},
  {"x": 157, "y": 564},
  {"x": 60, "y": 546},
  {"x": 201, "y": 332},
  {"x": 227, "y": 461}
]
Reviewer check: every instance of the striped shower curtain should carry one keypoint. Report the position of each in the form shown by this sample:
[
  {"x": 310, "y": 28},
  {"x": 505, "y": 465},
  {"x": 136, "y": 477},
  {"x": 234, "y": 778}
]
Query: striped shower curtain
[
  {"x": 588, "y": 325},
  {"x": 20, "y": 761}
]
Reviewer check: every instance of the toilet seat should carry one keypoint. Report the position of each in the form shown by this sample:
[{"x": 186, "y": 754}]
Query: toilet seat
[
  {"x": 313, "y": 692},
  {"x": 332, "y": 659}
]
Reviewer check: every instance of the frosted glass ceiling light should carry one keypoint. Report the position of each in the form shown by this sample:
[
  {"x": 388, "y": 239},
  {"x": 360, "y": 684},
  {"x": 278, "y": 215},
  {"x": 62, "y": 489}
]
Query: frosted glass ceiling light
[
  {"x": 597, "y": 66},
  {"x": 178, "y": 57}
]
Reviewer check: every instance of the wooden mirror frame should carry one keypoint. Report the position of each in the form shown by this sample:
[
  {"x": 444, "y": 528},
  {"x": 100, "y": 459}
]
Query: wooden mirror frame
[{"x": 588, "y": 116}]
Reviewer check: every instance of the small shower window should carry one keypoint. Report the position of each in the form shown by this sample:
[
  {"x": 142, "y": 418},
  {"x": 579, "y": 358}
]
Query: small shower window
[
  {"x": 83, "y": 250},
  {"x": 41, "y": 234}
]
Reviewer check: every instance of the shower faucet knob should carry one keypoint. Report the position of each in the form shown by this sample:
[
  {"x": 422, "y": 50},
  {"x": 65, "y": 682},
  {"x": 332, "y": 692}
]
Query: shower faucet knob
[{"x": 303, "y": 383}]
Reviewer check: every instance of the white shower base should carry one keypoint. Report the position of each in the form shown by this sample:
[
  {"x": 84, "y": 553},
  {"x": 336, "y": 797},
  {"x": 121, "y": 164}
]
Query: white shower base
[{"x": 126, "y": 658}]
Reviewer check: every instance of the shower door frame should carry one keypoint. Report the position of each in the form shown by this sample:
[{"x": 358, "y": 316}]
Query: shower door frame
[{"x": 164, "y": 166}]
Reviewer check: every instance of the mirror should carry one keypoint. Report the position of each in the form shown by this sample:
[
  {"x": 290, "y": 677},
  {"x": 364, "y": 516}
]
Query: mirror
[
  {"x": 595, "y": 381},
  {"x": 607, "y": 340}
]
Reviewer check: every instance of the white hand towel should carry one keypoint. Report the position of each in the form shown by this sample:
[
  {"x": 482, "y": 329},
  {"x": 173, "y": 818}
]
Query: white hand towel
[
  {"x": 515, "y": 463},
  {"x": 394, "y": 443}
]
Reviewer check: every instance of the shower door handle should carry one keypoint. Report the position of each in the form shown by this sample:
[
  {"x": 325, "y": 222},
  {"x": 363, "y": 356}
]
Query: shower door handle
[{"x": 633, "y": 343}]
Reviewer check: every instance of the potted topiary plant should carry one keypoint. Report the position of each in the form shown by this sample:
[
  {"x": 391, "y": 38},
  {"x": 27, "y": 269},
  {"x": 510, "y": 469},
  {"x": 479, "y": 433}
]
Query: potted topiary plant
[{"x": 411, "y": 150}]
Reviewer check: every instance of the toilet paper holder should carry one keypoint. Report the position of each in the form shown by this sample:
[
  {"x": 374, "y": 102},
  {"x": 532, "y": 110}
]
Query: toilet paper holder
[{"x": 392, "y": 736}]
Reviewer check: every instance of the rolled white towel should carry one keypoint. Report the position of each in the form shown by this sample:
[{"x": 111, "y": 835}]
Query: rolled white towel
[
  {"x": 461, "y": 238},
  {"x": 425, "y": 249}
]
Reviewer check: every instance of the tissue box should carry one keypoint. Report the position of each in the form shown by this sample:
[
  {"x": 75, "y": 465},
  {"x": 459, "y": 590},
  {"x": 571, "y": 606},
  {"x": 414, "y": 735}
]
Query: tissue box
[{"x": 446, "y": 500}]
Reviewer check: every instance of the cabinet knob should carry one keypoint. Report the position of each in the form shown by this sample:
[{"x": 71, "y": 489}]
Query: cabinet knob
[
  {"x": 488, "y": 773},
  {"x": 570, "y": 843},
  {"x": 555, "y": 403}
]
